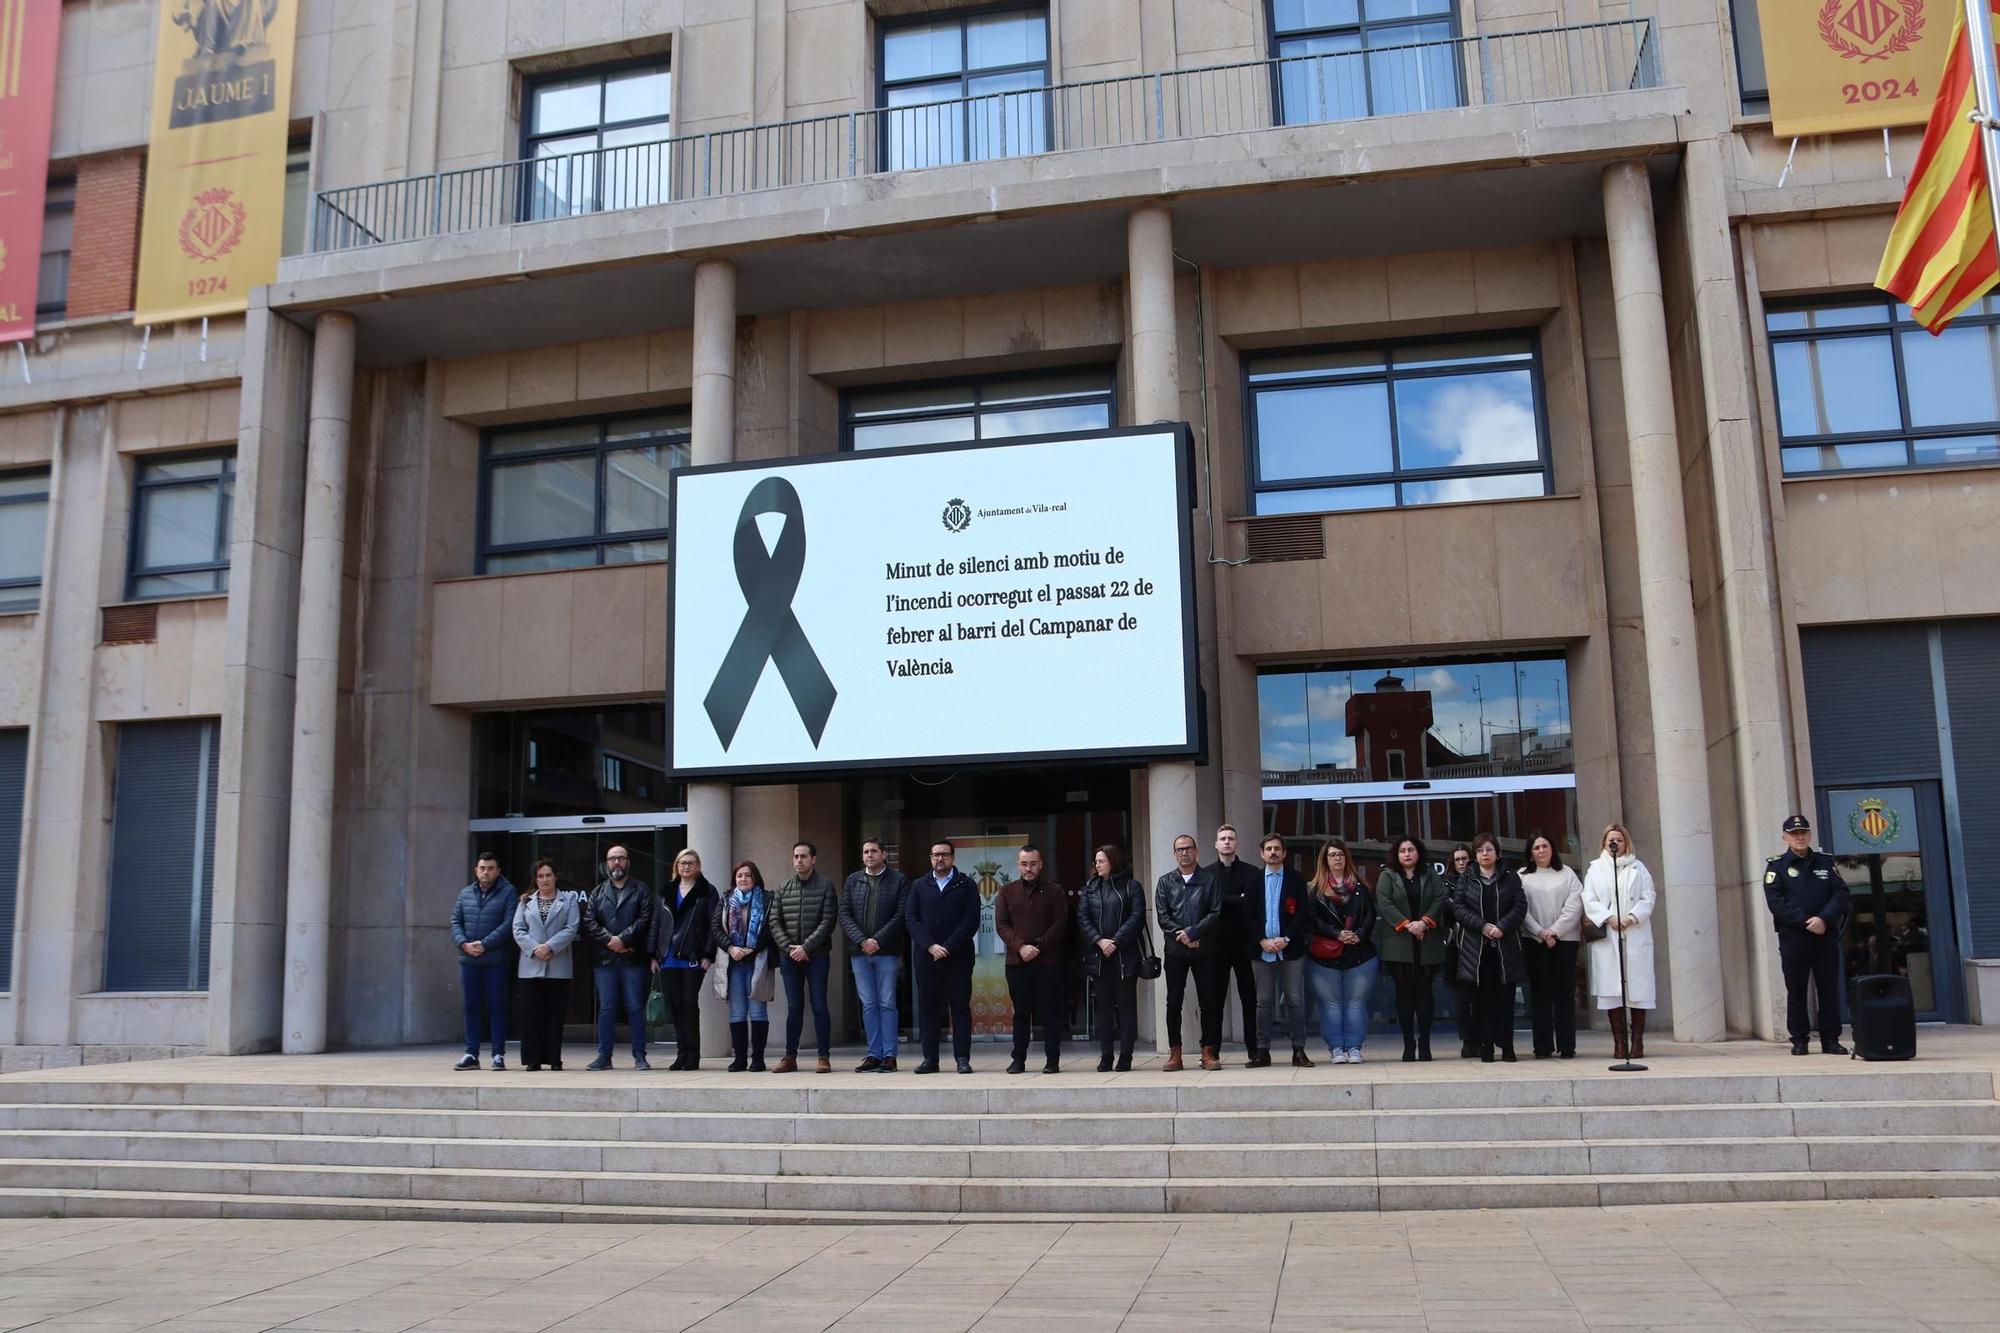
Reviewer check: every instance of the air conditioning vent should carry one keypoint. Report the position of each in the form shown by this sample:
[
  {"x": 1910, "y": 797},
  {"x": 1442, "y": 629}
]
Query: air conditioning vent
[
  {"x": 1288, "y": 537},
  {"x": 137, "y": 623}
]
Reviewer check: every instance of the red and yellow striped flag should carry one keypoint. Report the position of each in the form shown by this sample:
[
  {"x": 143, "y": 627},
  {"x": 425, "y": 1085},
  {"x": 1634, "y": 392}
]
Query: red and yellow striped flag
[{"x": 1940, "y": 257}]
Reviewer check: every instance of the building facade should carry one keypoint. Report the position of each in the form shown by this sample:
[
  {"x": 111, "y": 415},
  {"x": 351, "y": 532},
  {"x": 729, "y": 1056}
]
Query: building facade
[{"x": 1556, "y": 465}]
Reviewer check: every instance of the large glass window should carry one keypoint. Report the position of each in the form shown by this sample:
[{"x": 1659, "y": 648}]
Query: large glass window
[
  {"x": 572, "y": 762},
  {"x": 180, "y": 526},
  {"x": 943, "y": 411},
  {"x": 579, "y": 493},
  {"x": 598, "y": 140},
  {"x": 1861, "y": 386},
  {"x": 158, "y": 912},
  {"x": 24, "y": 525},
  {"x": 1344, "y": 59},
  {"x": 58, "y": 234},
  {"x": 965, "y": 89},
  {"x": 1417, "y": 423}
]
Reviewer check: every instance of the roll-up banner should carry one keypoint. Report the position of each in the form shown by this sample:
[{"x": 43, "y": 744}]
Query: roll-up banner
[
  {"x": 1839, "y": 65},
  {"x": 215, "y": 170},
  {"x": 28, "y": 30}
]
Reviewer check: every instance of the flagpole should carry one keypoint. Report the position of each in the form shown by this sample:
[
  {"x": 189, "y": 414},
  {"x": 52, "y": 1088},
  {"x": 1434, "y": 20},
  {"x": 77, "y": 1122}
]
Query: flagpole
[{"x": 1986, "y": 92}]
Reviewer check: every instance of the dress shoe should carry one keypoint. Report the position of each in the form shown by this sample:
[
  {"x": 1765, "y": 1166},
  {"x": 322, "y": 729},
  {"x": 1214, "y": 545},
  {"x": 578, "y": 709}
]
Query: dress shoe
[
  {"x": 788, "y": 1065},
  {"x": 556, "y": 1065},
  {"x": 965, "y": 1066},
  {"x": 1486, "y": 1057},
  {"x": 532, "y": 1069},
  {"x": 1798, "y": 1048},
  {"x": 1052, "y": 1068},
  {"x": 1017, "y": 1066},
  {"x": 1104, "y": 1065},
  {"x": 825, "y": 1065},
  {"x": 1832, "y": 1047},
  {"x": 888, "y": 1066},
  {"x": 1124, "y": 1065},
  {"x": 1300, "y": 1060},
  {"x": 1258, "y": 1060},
  {"x": 1209, "y": 1059},
  {"x": 868, "y": 1066},
  {"x": 927, "y": 1067},
  {"x": 1173, "y": 1064},
  {"x": 1508, "y": 1057}
]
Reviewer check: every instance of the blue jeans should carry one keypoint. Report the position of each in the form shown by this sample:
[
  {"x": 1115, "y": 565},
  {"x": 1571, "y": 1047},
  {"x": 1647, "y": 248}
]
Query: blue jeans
[
  {"x": 615, "y": 983},
  {"x": 1341, "y": 997},
  {"x": 743, "y": 1009},
  {"x": 875, "y": 982},
  {"x": 485, "y": 1005},
  {"x": 812, "y": 972}
]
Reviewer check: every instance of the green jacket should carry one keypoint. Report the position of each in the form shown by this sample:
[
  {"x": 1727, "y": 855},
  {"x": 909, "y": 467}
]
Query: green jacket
[
  {"x": 804, "y": 913},
  {"x": 1397, "y": 903}
]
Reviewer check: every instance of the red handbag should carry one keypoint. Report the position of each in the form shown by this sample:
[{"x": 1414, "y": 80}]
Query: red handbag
[{"x": 1328, "y": 948}]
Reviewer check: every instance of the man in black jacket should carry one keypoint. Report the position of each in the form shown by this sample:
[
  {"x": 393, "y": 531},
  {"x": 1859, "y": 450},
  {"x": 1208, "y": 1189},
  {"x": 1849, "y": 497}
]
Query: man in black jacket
[
  {"x": 1808, "y": 901},
  {"x": 1237, "y": 880},
  {"x": 871, "y": 916},
  {"x": 618, "y": 918},
  {"x": 1273, "y": 916},
  {"x": 943, "y": 918},
  {"x": 1189, "y": 906}
]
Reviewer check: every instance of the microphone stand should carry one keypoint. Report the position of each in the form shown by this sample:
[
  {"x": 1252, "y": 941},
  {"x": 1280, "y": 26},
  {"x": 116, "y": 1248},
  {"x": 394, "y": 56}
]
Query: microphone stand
[{"x": 1625, "y": 1066}]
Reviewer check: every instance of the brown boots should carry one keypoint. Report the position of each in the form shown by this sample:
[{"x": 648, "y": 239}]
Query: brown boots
[
  {"x": 1210, "y": 1058},
  {"x": 1635, "y": 1049},
  {"x": 1173, "y": 1064}
]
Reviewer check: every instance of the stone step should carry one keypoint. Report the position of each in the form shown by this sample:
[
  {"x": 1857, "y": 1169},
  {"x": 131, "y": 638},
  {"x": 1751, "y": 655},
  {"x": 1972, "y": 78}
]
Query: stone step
[
  {"x": 1139, "y": 1129},
  {"x": 979, "y": 1204},
  {"x": 1052, "y": 1160},
  {"x": 1075, "y": 1093}
]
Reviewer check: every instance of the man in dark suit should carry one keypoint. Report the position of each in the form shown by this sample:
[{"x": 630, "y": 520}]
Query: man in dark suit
[
  {"x": 943, "y": 918},
  {"x": 1233, "y": 942},
  {"x": 1274, "y": 917}
]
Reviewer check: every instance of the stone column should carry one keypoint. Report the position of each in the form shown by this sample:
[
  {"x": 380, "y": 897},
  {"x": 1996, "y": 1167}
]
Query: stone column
[
  {"x": 1153, "y": 355},
  {"x": 316, "y": 697},
  {"x": 710, "y": 805},
  {"x": 1684, "y": 868}
]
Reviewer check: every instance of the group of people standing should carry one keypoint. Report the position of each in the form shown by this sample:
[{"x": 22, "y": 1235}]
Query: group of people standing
[{"x": 1319, "y": 940}]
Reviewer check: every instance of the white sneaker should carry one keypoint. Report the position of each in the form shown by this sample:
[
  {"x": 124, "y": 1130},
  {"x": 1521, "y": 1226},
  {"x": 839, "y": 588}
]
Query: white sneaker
[
  {"x": 1354, "y": 1056},
  {"x": 1340, "y": 1057}
]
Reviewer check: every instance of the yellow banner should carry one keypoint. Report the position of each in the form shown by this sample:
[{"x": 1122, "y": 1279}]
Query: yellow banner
[
  {"x": 1839, "y": 65},
  {"x": 215, "y": 171}
]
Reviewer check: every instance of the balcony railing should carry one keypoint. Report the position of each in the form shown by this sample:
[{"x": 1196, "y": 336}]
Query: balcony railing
[{"x": 1584, "y": 60}]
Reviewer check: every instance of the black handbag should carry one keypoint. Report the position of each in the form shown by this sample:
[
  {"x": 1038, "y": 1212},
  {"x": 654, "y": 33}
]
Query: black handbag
[{"x": 1150, "y": 966}]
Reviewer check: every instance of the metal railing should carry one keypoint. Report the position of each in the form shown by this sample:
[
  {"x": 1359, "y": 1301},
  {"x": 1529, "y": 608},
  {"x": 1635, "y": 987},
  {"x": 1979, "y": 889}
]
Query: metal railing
[{"x": 1491, "y": 69}]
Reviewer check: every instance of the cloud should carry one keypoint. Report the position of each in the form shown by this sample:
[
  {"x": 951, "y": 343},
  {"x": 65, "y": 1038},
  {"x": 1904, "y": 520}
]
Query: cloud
[{"x": 1489, "y": 419}]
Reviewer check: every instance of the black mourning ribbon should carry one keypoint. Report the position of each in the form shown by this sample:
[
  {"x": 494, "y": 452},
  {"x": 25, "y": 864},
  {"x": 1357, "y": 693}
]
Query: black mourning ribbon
[{"x": 770, "y": 631}]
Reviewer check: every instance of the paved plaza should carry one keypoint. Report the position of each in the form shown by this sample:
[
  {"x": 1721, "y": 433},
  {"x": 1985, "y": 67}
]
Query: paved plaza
[{"x": 1909, "y": 1264}]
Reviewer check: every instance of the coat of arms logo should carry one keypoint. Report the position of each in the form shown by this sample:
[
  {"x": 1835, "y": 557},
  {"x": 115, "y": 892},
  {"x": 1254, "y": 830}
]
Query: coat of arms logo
[
  {"x": 1873, "y": 822},
  {"x": 212, "y": 227},
  {"x": 1867, "y": 30}
]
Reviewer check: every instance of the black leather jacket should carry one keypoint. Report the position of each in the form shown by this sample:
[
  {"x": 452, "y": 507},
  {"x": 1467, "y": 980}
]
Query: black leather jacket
[
  {"x": 629, "y": 917},
  {"x": 1193, "y": 905}
]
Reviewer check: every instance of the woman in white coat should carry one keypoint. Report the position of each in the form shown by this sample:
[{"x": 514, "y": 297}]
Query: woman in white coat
[{"x": 1618, "y": 895}]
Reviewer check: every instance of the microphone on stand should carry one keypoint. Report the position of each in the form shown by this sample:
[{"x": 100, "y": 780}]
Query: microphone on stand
[{"x": 1625, "y": 1066}]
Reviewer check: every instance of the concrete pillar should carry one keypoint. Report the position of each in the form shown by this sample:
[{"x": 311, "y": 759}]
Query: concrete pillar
[
  {"x": 316, "y": 695},
  {"x": 1154, "y": 360},
  {"x": 1684, "y": 868},
  {"x": 710, "y": 805}
]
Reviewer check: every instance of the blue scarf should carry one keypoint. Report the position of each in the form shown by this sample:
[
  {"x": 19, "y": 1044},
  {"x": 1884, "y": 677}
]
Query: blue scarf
[{"x": 741, "y": 904}]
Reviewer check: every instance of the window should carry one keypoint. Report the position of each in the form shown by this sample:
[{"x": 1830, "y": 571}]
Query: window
[
  {"x": 58, "y": 232},
  {"x": 1344, "y": 59},
  {"x": 24, "y": 523},
  {"x": 1418, "y": 423},
  {"x": 572, "y": 762},
  {"x": 1862, "y": 387},
  {"x": 162, "y": 857},
  {"x": 13, "y": 789},
  {"x": 180, "y": 526},
  {"x": 579, "y": 493},
  {"x": 986, "y": 409},
  {"x": 965, "y": 89},
  {"x": 598, "y": 140},
  {"x": 298, "y": 201},
  {"x": 1751, "y": 83}
]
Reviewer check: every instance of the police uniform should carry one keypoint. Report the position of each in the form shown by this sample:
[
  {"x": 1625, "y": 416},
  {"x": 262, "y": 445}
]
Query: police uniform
[{"x": 1796, "y": 889}]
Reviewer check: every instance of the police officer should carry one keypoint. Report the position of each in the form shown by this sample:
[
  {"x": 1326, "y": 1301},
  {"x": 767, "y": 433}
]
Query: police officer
[{"x": 1808, "y": 900}]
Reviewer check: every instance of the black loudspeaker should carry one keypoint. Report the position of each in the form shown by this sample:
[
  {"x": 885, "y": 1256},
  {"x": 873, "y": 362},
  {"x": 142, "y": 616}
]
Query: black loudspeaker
[{"x": 1885, "y": 1018}]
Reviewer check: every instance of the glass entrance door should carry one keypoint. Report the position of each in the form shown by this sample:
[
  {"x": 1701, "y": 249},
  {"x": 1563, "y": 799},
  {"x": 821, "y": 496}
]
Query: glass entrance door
[{"x": 1889, "y": 845}]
